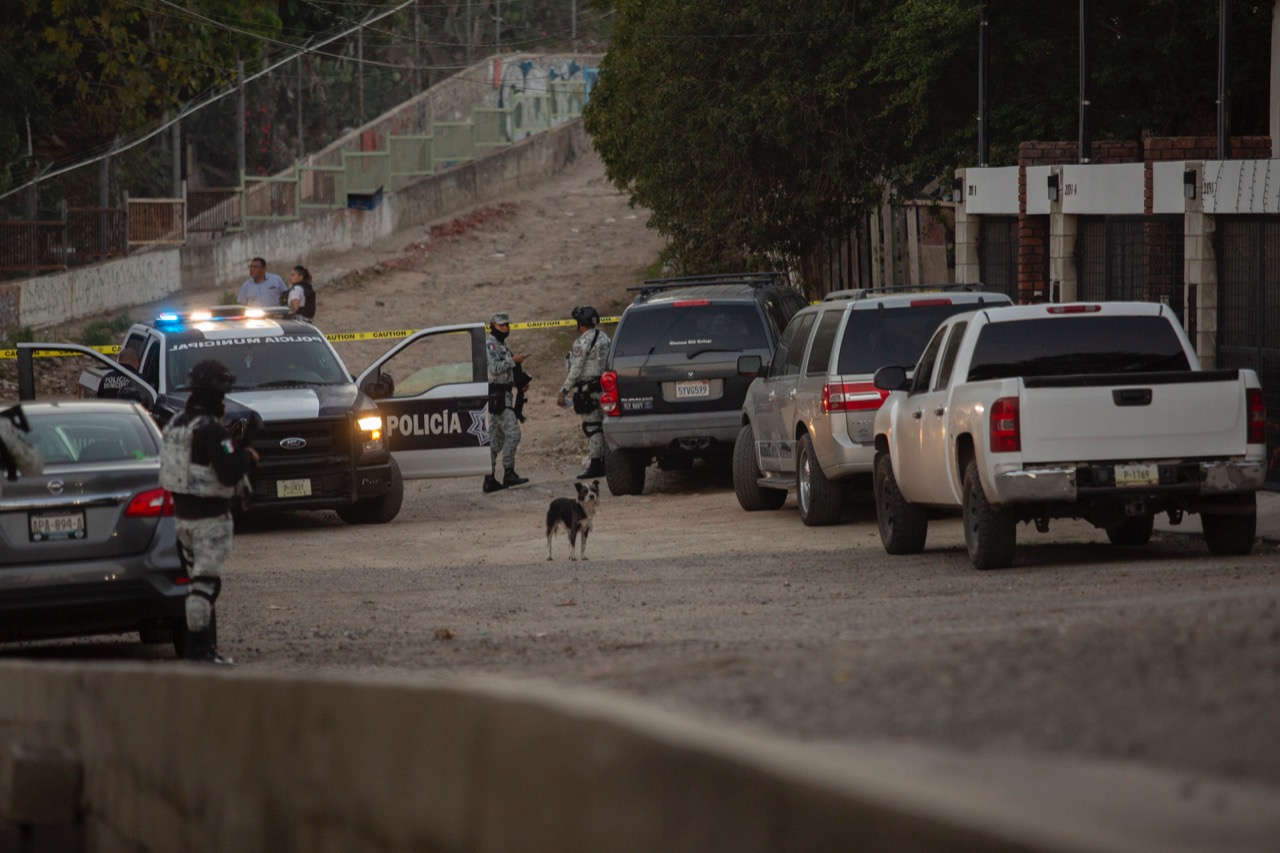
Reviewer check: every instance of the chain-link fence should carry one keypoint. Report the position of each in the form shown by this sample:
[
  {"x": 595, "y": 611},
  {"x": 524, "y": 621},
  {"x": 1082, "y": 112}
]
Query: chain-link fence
[{"x": 284, "y": 141}]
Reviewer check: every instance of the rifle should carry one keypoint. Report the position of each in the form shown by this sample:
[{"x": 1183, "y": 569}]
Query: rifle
[{"x": 521, "y": 381}]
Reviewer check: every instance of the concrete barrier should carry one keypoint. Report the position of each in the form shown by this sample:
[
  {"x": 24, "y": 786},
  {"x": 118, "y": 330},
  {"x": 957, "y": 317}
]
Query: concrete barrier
[
  {"x": 179, "y": 757},
  {"x": 153, "y": 275}
]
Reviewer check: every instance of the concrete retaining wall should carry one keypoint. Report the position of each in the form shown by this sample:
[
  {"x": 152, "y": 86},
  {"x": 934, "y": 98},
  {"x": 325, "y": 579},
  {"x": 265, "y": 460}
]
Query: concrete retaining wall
[
  {"x": 154, "y": 275},
  {"x": 182, "y": 758},
  {"x": 166, "y": 757}
]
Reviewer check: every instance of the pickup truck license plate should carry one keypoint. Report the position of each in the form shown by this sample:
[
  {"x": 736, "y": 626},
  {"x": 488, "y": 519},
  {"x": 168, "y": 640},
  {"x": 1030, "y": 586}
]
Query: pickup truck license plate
[
  {"x": 1137, "y": 475},
  {"x": 293, "y": 488},
  {"x": 692, "y": 389},
  {"x": 64, "y": 525}
]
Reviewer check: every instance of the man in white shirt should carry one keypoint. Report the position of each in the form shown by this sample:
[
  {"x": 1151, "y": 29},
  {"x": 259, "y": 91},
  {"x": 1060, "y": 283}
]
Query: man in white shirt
[{"x": 262, "y": 289}]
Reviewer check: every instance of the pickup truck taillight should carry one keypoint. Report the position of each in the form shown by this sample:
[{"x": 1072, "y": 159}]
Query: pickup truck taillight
[
  {"x": 150, "y": 504},
  {"x": 1257, "y": 416},
  {"x": 609, "y": 394},
  {"x": 852, "y": 397},
  {"x": 1006, "y": 436}
]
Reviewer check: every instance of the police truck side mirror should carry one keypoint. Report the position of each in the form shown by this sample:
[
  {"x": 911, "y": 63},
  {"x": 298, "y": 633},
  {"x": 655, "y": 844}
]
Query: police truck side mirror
[{"x": 750, "y": 365}]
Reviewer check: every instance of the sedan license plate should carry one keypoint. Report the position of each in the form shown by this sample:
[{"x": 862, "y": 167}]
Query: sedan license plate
[
  {"x": 1137, "y": 475},
  {"x": 693, "y": 389},
  {"x": 293, "y": 488},
  {"x": 63, "y": 525}
]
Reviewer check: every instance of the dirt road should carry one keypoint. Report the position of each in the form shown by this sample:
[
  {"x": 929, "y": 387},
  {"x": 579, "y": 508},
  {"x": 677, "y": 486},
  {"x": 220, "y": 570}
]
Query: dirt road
[{"x": 1158, "y": 655}]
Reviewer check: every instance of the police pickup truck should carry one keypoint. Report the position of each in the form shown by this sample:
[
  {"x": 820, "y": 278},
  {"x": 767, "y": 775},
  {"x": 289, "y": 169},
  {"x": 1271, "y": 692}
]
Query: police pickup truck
[
  {"x": 1092, "y": 411},
  {"x": 326, "y": 440}
]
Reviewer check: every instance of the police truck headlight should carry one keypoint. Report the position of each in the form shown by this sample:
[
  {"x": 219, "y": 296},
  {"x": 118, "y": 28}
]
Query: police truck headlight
[{"x": 371, "y": 433}]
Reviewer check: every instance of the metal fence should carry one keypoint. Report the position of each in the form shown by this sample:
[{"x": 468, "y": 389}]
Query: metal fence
[{"x": 403, "y": 146}]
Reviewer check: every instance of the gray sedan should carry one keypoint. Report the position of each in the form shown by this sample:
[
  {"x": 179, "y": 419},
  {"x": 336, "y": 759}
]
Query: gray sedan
[{"x": 89, "y": 546}]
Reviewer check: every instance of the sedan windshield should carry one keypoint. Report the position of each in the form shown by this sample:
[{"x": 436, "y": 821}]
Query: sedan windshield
[{"x": 73, "y": 435}]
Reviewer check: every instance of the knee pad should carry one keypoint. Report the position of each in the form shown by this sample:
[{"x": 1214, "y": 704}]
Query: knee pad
[
  {"x": 206, "y": 588},
  {"x": 592, "y": 428}
]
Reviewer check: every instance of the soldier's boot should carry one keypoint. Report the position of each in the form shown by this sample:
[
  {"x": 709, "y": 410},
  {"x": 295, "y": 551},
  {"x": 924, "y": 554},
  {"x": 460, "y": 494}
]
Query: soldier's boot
[
  {"x": 491, "y": 484},
  {"x": 595, "y": 469},
  {"x": 200, "y": 649},
  {"x": 511, "y": 478}
]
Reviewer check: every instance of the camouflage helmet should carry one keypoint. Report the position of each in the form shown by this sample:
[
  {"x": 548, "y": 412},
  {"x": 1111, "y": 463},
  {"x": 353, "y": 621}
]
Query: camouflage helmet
[
  {"x": 211, "y": 375},
  {"x": 585, "y": 315}
]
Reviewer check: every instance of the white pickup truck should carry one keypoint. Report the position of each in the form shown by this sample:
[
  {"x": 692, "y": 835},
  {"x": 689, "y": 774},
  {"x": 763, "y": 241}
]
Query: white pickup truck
[{"x": 1093, "y": 411}]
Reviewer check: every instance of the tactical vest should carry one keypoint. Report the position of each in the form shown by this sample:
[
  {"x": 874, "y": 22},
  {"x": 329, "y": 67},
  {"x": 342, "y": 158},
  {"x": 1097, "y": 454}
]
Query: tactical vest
[{"x": 179, "y": 474}]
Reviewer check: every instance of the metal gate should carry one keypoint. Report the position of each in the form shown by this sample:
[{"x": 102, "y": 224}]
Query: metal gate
[
  {"x": 1133, "y": 258},
  {"x": 998, "y": 254},
  {"x": 1248, "y": 252}
]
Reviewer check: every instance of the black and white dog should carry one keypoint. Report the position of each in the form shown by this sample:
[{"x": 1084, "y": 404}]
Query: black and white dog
[{"x": 575, "y": 516}]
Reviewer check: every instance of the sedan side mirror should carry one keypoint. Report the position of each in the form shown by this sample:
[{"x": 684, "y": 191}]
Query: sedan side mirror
[
  {"x": 750, "y": 365},
  {"x": 891, "y": 378}
]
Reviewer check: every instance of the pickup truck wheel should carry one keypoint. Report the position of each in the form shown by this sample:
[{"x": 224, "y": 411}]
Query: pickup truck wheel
[
  {"x": 819, "y": 499},
  {"x": 746, "y": 476},
  {"x": 379, "y": 510},
  {"x": 990, "y": 534},
  {"x": 1132, "y": 531},
  {"x": 903, "y": 525},
  {"x": 1231, "y": 535},
  {"x": 624, "y": 472}
]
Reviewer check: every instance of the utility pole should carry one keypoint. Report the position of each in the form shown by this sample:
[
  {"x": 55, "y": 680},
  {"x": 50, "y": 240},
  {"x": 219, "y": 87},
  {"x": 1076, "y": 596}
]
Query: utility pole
[{"x": 240, "y": 129}]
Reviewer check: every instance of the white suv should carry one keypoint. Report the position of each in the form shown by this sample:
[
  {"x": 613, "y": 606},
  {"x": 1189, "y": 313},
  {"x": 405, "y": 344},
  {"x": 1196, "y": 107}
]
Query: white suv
[{"x": 808, "y": 420}]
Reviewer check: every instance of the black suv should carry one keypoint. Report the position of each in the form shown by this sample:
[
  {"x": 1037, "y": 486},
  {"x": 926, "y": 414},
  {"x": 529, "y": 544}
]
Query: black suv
[{"x": 672, "y": 390}]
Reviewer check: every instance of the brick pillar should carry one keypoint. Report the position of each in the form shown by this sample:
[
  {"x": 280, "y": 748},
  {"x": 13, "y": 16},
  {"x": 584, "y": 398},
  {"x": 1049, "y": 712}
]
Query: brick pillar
[
  {"x": 1031, "y": 257},
  {"x": 968, "y": 270},
  {"x": 1062, "y": 256},
  {"x": 1201, "y": 278}
]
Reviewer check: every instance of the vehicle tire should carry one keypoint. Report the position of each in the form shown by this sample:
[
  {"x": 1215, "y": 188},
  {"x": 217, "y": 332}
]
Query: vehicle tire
[
  {"x": 903, "y": 525},
  {"x": 1132, "y": 531},
  {"x": 746, "y": 476},
  {"x": 624, "y": 471},
  {"x": 820, "y": 500},
  {"x": 990, "y": 534},
  {"x": 1231, "y": 535},
  {"x": 379, "y": 510}
]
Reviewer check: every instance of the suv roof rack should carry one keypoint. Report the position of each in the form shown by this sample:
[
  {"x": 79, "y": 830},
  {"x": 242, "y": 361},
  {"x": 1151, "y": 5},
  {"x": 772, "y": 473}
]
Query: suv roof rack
[
  {"x": 755, "y": 279},
  {"x": 864, "y": 292}
]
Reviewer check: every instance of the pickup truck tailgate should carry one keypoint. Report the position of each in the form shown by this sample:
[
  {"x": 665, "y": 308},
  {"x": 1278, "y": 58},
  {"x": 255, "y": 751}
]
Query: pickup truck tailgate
[{"x": 1150, "y": 416}]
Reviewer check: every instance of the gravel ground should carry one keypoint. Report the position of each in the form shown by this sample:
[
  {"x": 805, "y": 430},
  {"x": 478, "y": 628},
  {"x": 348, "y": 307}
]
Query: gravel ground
[{"x": 1159, "y": 655}]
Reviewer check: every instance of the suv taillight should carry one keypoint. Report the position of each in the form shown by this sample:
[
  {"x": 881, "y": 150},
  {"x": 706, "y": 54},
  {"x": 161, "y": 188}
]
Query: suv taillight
[
  {"x": 609, "y": 394},
  {"x": 1257, "y": 410},
  {"x": 852, "y": 397},
  {"x": 1006, "y": 435},
  {"x": 150, "y": 504}
]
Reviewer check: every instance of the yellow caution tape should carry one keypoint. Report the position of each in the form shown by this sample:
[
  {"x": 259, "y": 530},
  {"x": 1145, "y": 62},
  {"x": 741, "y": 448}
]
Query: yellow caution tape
[{"x": 338, "y": 337}]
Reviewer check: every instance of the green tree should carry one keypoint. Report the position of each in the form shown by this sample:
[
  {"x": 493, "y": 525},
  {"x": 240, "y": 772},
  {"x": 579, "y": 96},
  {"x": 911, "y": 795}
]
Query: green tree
[
  {"x": 761, "y": 128},
  {"x": 82, "y": 71}
]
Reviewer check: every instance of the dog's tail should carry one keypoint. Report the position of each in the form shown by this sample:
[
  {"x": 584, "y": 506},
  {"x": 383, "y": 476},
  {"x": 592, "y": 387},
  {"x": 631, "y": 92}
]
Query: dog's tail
[{"x": 551, "y": 519}]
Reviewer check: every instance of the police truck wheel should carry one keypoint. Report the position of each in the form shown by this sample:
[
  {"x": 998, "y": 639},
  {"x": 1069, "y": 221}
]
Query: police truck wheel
[
  {"x": 820, "y": 500},
  {"x": 624, "y": 471},
  {"x": 379, "y": 510},
  {"x": 746, "y": 476}
]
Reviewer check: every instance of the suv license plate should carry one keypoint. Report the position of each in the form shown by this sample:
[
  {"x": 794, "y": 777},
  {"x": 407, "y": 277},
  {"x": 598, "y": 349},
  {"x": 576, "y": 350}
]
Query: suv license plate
[
  {"x": 1137, "y": 475},
  {"x": 67, "y": 525},
  {"x": 693, "y": 388},
  {"x": 293, "y": 488}
]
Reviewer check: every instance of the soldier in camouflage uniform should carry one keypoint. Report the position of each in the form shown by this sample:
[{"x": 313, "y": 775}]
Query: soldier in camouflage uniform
[
  {"x": 504, "y": 427},
  {"x": 582, "y": 379},
  {"x": 202, "y": 466}
]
